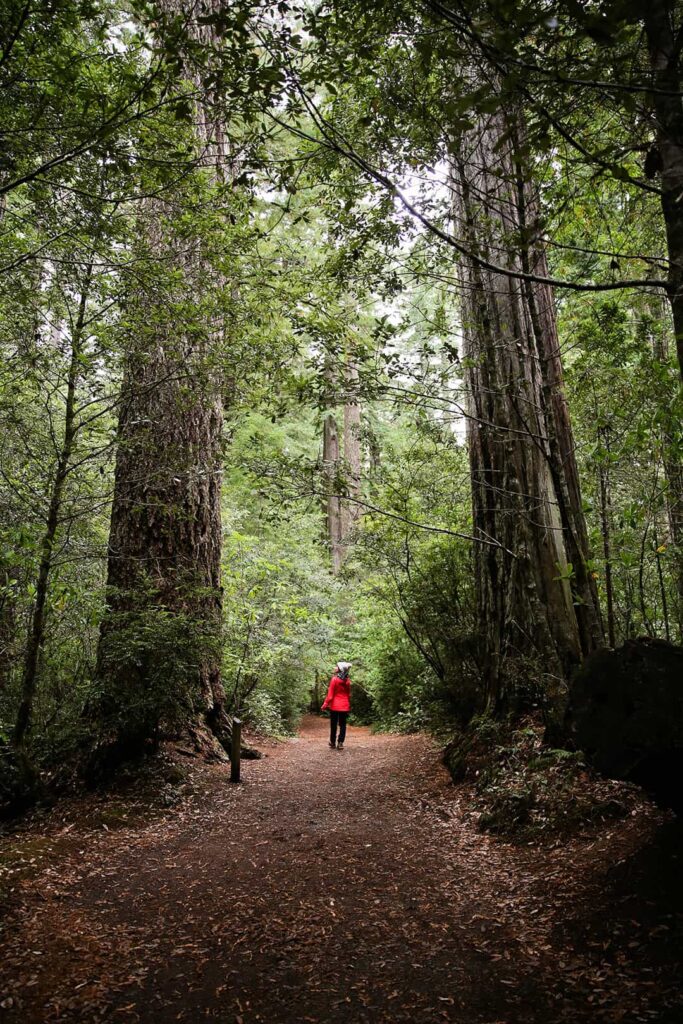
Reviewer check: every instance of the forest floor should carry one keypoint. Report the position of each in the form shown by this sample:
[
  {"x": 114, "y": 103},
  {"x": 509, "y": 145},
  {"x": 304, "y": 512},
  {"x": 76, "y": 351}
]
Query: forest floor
[{"x": 334, "y": 886}]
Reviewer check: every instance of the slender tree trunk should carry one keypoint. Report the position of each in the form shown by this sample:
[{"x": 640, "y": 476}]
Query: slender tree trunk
[
  {"x": 673, "y": 471},
  {"x": 662, "y": 591},
  {"x": 629, "y": 605},
  {"x": 36, "y": 633},
  {"x": 536, "y": 598},
  {"x": 674, "y": 507},
  {"x": 664, "y": 44},
  {"x": 374, "y": 452},
  {"x": 641, "y": 582},
  {"x": 8, "y": 624},
  {"x": 333, "y": 510},
  {"x": 605, "y": 524},
  {"x": 352, "y": 447},
  {"x": 341, "y": 462}
]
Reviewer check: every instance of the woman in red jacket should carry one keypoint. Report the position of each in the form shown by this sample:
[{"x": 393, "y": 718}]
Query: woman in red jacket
[{"x": 338, "y": 700}]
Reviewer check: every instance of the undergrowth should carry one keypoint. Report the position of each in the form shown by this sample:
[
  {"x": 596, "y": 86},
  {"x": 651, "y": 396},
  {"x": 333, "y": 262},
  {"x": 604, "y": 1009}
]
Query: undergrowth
[{"x": 523, "y": 788}]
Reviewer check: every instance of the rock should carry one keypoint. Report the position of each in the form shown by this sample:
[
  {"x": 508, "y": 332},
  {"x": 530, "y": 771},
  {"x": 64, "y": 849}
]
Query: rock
[
  {"x": 169, "y": 796},
  {"x": 174, "y": 774},
  {"x": 625, "y": 712},
  {"x": 250, "y": 754}
]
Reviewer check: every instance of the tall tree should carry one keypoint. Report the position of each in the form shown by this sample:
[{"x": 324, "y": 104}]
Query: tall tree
[
  {"x": 163, "y": 581},
  {"x": 341, "y": 452},
  {"x": 332, "y": 466},
  {"x": 535, "y": 593},
  {"x": 352, "y": 443}
]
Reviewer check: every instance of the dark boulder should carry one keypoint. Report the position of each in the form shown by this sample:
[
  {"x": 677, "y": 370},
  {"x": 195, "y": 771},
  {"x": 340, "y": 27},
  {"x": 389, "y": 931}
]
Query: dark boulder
[{"x": 625, "y": 712}]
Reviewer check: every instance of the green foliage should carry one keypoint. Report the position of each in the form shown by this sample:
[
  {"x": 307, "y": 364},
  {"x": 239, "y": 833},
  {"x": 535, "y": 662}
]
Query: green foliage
[
  {"x": 397, "y": 678},
  {"x": 415, "y": 611},
  {"x": 623, "y": 392},
  {"x": 152, "y": 661},
  {"x": 307, "y": 247},
  {"x": 263, "y": 714},
  {"x": 281, "y": 605},
  {"x": 524, "y": 788}
]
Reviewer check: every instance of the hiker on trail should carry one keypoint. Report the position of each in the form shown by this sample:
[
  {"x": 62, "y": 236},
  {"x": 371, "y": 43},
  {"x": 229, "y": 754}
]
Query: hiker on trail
[{"x": 338, "y": 701}]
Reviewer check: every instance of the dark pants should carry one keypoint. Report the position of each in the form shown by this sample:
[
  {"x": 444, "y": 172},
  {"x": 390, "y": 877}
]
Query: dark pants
[{"x": 337, "y": 718}]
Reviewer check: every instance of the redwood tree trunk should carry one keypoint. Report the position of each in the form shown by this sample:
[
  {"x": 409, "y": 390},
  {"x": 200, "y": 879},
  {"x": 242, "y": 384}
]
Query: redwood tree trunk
[
  {"x": 537, "y": 600},
  {"x": 663, "y": 35},
  {"x": 165, "y": 540},
  {"x": 341, "y": 461},
  {"x": 674, "y": 506},
  {"x": 673, "y": 471}
]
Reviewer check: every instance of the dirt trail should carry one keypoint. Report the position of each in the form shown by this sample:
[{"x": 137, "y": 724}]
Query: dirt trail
[{"x": 334, "y": 886}]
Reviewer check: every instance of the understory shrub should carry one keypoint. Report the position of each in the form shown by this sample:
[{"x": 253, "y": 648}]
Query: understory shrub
[
  {"x": 150, "y": 671},
  {"x": 522, "y": 786},
  {"x": 263, "y": 714}
]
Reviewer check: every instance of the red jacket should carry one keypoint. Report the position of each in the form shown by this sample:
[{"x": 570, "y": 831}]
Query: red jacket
[{"x": 339, "y": 695}]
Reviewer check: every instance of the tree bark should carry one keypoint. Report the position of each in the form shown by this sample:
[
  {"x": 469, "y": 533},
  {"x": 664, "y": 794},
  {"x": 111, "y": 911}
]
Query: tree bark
[
  {"x": 8, "y": 624},
  {"x": 664, "y": 44},
  {"x": 665, "y": 40},
  {"x": 674, "y": 508},
  {"x": 662, "y": 591},
  {"x": 352, "y": 448},
  {"x": 605, "y": 526},
  {"x": 165, "y": 539},
  {"x": 341, "y": 461},
  {"x": 673, "y": 471},
  {"x": 537, "y": 600},
  {"x": 333, "y": 510}
]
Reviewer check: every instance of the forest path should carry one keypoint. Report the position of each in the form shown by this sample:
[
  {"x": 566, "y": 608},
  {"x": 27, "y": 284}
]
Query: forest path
[{"x": 332, "y": 886}]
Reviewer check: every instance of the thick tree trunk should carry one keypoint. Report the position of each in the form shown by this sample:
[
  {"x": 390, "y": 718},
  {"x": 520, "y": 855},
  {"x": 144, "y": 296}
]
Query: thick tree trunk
[
  {"x": 165, "y": 541},
  {"x": 674, "y": 507},
  {"x": 663, "y": 39},
  {"x": 664, "y": 45},
  {"x": 537, "y": 600}
]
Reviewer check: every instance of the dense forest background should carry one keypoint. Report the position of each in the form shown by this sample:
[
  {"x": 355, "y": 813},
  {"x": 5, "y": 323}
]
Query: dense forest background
[{"x": 331, "y": 331}]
